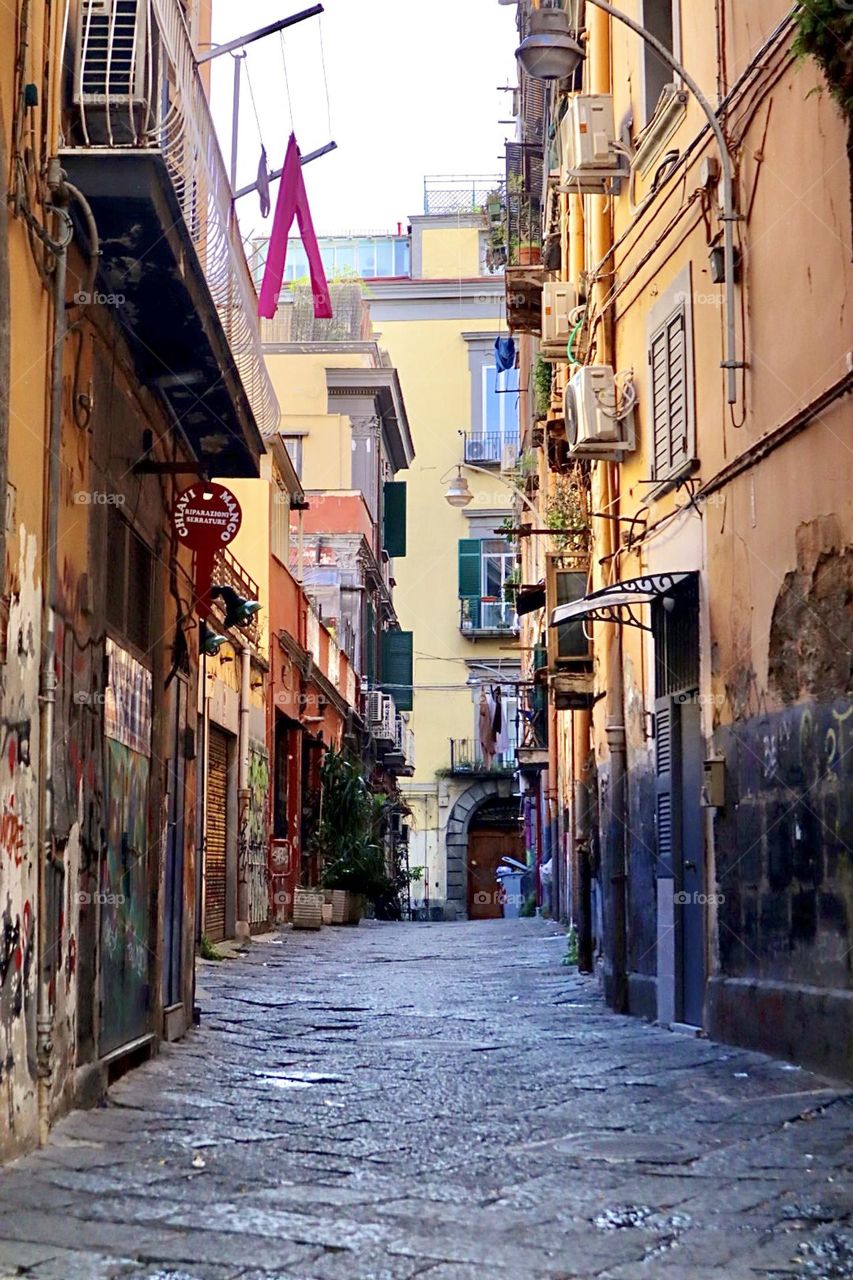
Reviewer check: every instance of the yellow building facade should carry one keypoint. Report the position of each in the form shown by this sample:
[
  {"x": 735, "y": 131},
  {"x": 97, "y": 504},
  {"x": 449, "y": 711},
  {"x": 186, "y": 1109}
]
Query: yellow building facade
[
  {"x": 704, "y": 846},
  {"x": 439, "y": 327}
]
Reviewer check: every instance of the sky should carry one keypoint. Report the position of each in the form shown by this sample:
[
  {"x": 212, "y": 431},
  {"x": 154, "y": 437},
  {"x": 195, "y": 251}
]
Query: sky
[{"x": 412, "y": 90}]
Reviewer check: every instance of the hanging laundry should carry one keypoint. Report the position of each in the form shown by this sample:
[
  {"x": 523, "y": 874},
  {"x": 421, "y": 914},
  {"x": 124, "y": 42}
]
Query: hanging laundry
[
  {"x": 264, "y": 184},
  {"x": 293, "y": 202},
  {"x": 504, "y": 354},
  {"x": 487, "y": 737}
]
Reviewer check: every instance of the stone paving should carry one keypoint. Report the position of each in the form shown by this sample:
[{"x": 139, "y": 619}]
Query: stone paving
[{"x": 444, "y": 1101}]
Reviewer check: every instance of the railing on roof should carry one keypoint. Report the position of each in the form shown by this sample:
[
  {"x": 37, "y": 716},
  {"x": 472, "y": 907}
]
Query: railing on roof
[
  {"x": 294, "y": 321},
  {"x": 137, "y": 85},
  {"x": 458, "y": 193}
]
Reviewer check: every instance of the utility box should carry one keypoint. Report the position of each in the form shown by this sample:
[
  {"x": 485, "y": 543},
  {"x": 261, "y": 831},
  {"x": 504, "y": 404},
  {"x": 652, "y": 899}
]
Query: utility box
[{"x": 714, "y": 784}]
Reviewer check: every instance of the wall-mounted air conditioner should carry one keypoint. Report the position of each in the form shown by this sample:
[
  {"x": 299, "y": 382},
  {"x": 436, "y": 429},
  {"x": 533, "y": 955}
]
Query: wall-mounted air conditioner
[
  {"x": 599, "y": 414},
  {"x": 588, "y": 143},
  {"x": 559, "y": 301},
  {"x": 111, "y": 52},
  {"x": 384, "y": 730},
  {"x": 375, "y": 707}
]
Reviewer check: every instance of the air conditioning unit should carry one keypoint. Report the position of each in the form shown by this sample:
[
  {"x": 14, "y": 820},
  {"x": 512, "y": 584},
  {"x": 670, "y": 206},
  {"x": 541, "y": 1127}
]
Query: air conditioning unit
[
  {"x": 559, "y": 300},
  {"x": 375, "y": 707},
  {"x": 384, "y": 730},
  {"x": 111, "y": 53},
  {"x": 599, "y": 418},
  {"x": 588, "y": 144},
  {"x": 509, "y": 457}
]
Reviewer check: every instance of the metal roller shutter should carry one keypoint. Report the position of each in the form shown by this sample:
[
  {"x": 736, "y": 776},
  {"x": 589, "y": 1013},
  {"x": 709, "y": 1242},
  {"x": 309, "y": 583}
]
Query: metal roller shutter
[{"x": 214, "y": 863}]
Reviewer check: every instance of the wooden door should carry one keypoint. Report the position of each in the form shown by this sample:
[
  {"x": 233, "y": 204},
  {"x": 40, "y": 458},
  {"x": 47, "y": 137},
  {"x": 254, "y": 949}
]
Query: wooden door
[
  {"x": 486, "y": 847},
  {"x": 216, "y": 833}
]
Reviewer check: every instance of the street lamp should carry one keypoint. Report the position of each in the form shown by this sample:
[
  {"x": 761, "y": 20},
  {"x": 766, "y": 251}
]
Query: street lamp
[
  {"x": 568, "y": 60},
  {"x": 549, "y": 51},
  {"x": 459, "y": 493}
]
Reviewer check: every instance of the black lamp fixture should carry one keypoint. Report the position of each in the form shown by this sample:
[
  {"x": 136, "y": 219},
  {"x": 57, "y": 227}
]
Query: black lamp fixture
[
  {"x": 238, "y": 611},
  {"x": 209, "y": 642},
  {"x": 550, "y": 50}
]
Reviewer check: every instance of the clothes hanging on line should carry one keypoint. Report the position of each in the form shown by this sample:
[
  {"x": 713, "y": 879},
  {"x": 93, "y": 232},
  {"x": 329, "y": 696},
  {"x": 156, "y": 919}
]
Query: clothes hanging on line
[{"x": 292, "y": 203}]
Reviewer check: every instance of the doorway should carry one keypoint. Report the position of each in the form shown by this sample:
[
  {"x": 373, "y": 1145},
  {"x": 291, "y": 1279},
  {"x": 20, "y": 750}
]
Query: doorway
[
  {"x": 679, "y": 755},
  {"x": 488, "y": 843}
]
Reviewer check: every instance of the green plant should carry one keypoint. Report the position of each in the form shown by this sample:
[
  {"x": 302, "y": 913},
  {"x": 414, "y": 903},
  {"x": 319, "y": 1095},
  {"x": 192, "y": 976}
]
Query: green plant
[
  {"x": 416, "y": 874},
  {"x": 208, "y": 951},
  {"x": 571, "y": 956},
  {"x": 542, "y": 374},
  {"x": 825, "y": 33},
  {"x": 348, "y": 832},
  {"x": 564, "y": 513},
  {"x": 528, "y": 907}
]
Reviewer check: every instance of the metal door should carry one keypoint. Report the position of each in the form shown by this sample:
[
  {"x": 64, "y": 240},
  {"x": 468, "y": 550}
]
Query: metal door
[
  {"x": 690, "y": 869},
  {"x": 173, "y": 924},
  {"x": 216, "y": 829},
  {"x": 124, "y": 902}
]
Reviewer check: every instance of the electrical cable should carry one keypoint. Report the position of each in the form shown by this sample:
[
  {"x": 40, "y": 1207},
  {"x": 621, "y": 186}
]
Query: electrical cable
[
  {"x": 286, "y": 80},
  {"x": 325, "y": 76},
  {"x": 254, "y": 104}
]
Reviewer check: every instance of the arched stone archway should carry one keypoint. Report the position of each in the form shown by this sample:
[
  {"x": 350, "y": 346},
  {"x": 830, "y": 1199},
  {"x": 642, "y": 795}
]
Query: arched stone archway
[{"x": 462, "y": 815}]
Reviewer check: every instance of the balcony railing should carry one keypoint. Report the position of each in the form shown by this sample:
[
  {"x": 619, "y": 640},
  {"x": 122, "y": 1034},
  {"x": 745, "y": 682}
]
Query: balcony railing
[
  {"x": 458, "y": 193},
  {"x": 137, "y": 88},
  {"x": 466, "y": 756},
  {"x": 228, "y": 571},
  {"x": 487, "y": 615},
  {"x": 491, "y": 447}
]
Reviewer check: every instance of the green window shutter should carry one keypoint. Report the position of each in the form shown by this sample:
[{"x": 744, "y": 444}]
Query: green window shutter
[
  {"x": 394, "y": 518},
  {"x": 469, "y": 569},
  {"x": 397, "y": 666}
]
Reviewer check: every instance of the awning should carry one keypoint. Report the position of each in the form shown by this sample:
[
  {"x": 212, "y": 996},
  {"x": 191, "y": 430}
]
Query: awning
[
  {"x": 530, "y": 598},
  {"x": 617, "y": 603}
]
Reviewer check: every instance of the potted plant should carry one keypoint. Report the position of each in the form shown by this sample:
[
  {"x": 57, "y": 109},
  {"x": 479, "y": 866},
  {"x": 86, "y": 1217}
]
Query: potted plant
[{"x": 347, "y": 839}]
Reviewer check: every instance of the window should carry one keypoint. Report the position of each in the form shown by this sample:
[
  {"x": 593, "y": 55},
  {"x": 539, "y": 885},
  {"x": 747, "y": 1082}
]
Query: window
[
  {"x": 486, "y": 566},
  {"x": 500, "y": 402},
  {"x": 671, "y": 389},
  {"x": 293, "y": 445},
  {"x": 280, "y": 523},
  {"x": 658, "y": 17},
  {"x": 129, "y": 583}
]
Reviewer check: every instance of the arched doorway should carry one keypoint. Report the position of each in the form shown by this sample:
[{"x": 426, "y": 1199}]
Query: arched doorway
[{"x": 483, "y": 826}]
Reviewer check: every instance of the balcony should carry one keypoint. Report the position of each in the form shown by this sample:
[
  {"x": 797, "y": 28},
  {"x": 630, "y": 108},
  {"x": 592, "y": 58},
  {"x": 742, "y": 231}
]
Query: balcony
[
  {"x": 487, "y": 616},
  {"x": 228, "y": 571},
  {"x": 141, "y": 146},
  {"x": 491, "y": 448},
  {"x": 466, "y": 758},
  {"x": 458, "y": 193}
]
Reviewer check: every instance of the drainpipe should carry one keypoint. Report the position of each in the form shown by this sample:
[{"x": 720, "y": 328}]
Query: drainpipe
[
  {"x": 242, "y": 929},
  {"x": 616, "y": 810},
  {"x": 47, "y": 680}
]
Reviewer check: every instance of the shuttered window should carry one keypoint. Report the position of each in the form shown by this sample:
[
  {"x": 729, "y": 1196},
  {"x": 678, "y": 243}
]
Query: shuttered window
[
  {"x": 666, "y": 797},
  {"x": 671, "y": 386},
  {"x": 397, "y": 667},
  {"x": 394, "y": 518},
  {"x": 470, "y": 572}
]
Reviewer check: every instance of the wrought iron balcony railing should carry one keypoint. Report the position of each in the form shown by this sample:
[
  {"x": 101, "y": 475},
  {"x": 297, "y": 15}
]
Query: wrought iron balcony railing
[
  {"x": 492, "y": 447},
  {"x": 137, "y": 87},
  {"x": 467, "y": 756},
  {"x": 485, "y": 614}
]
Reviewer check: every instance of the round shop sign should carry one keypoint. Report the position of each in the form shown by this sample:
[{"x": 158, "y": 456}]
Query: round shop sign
[{"x": 206, "y": 517}]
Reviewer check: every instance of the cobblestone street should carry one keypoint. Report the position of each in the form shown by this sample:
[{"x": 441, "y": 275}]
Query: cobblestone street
[{"x": 444, "y": 1101}]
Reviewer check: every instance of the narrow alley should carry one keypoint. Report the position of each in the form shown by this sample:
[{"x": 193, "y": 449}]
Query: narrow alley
[{"x": 447, "y": 1101}]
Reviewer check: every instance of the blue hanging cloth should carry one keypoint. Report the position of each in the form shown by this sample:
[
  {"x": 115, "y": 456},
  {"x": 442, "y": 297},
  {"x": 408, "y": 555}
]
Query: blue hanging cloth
[{"x": 504, "y": 354}]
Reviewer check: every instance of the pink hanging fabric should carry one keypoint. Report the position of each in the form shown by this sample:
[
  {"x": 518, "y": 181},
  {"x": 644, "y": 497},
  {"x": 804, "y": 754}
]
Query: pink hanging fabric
[{"x": 292, "y": 203}]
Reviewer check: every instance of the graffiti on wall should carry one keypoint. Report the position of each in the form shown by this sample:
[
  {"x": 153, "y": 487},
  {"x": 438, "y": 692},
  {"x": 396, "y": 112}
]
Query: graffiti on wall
[{"x": 254, "y": 834}]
